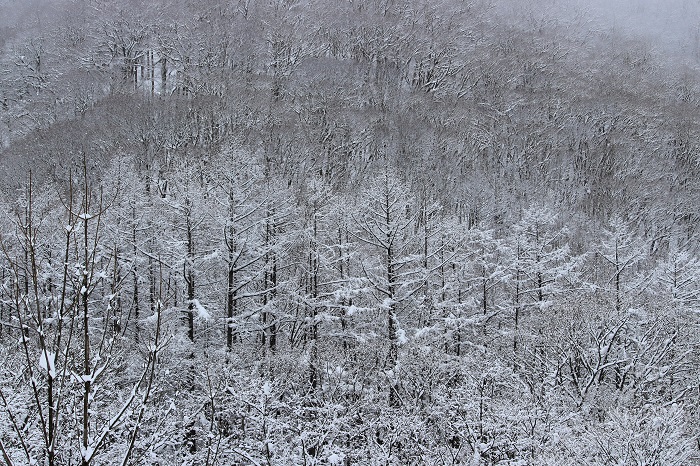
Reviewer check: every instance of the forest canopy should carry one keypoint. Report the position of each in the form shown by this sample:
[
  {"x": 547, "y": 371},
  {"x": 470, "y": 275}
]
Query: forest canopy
[{"x": 349, "y": 232}]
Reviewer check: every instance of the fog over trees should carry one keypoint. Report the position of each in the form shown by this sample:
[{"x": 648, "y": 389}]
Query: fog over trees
[{"x": 338, "y": 232}]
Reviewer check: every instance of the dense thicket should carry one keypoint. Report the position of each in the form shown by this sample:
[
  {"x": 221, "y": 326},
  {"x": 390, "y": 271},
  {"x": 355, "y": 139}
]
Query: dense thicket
[{"x": 377, "y": 232}]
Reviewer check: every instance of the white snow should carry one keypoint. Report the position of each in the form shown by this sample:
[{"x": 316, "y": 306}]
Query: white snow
[
  {"x": 81, "y": 378},
  {"x": 401, "y": 337},
  {"x": 87, "y": 453},
  {"x": 48, "y": 364},
  {"x": 387, "y": 304},
  {"x": 421, "y": 332},
  {"x": 201, "y": 311},
  {"x": 336, "y": 459}
]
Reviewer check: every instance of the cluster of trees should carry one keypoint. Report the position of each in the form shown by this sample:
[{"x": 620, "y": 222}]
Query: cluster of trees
[
  {"x": 344, "y": 233},
  {"x": 274, "y": 323}
]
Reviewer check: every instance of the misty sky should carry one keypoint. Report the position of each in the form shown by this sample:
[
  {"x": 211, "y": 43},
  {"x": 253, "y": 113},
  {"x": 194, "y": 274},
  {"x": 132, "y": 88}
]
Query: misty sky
[{"x": 670, "y": 27}]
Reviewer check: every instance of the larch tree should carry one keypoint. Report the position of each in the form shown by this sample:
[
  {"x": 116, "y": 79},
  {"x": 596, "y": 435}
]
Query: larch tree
[
  {"x": 63, "y": 311},
  {"x": 542, "y": 267},
  {"x": 242, "y": 216},
  {"x": 386, "y": 227},
  {"x": 621, "y": 251}
]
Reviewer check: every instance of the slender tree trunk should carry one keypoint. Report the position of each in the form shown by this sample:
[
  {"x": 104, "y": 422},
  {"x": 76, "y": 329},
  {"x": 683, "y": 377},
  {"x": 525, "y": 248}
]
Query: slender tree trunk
[
  {"x": 231, "y": 294},
  {"x": 137, "y": 310},
  {"x": 393, "y": 356},
  {"x": 87, "y": 382},
  {"x": 190, "y": 273},
  {"x": 314, "y": 269},
  {"x": 618, "y": 271},
  {"x": 516, "y": 299},
  {"x": 231, "y": 301},
  {"x": 270, "y": 284},
  {"x": 163, "y": 75},
  {"x": 117, "y": 311},
  {"x": 344, "y": 270}
]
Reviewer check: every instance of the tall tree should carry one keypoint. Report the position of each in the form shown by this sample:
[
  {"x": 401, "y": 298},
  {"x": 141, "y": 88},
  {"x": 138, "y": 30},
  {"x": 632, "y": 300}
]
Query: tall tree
[
  {"x": 386, "y": 227},
  {"x": 541, "y": 263}
]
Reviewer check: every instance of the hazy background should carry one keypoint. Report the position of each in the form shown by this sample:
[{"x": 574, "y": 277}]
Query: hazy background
[{"x": 665, "y": 23}]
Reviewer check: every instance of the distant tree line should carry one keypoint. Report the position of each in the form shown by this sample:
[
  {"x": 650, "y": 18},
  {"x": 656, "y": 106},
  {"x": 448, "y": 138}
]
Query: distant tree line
[{"x": 344, "y": 233}]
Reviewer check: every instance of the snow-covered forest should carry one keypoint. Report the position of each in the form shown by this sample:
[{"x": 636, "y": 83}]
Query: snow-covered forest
[{"x": 349, "y": 232}]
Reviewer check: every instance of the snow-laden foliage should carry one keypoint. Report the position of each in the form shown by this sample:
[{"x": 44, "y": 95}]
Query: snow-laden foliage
[{"x": 344, "y": 233}]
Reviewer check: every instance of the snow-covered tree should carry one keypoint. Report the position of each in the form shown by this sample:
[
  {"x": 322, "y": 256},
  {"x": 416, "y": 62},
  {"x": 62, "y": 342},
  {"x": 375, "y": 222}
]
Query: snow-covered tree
[
  {"x": 385, "y": 225},
  {"x": 541, "y": 266}
]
